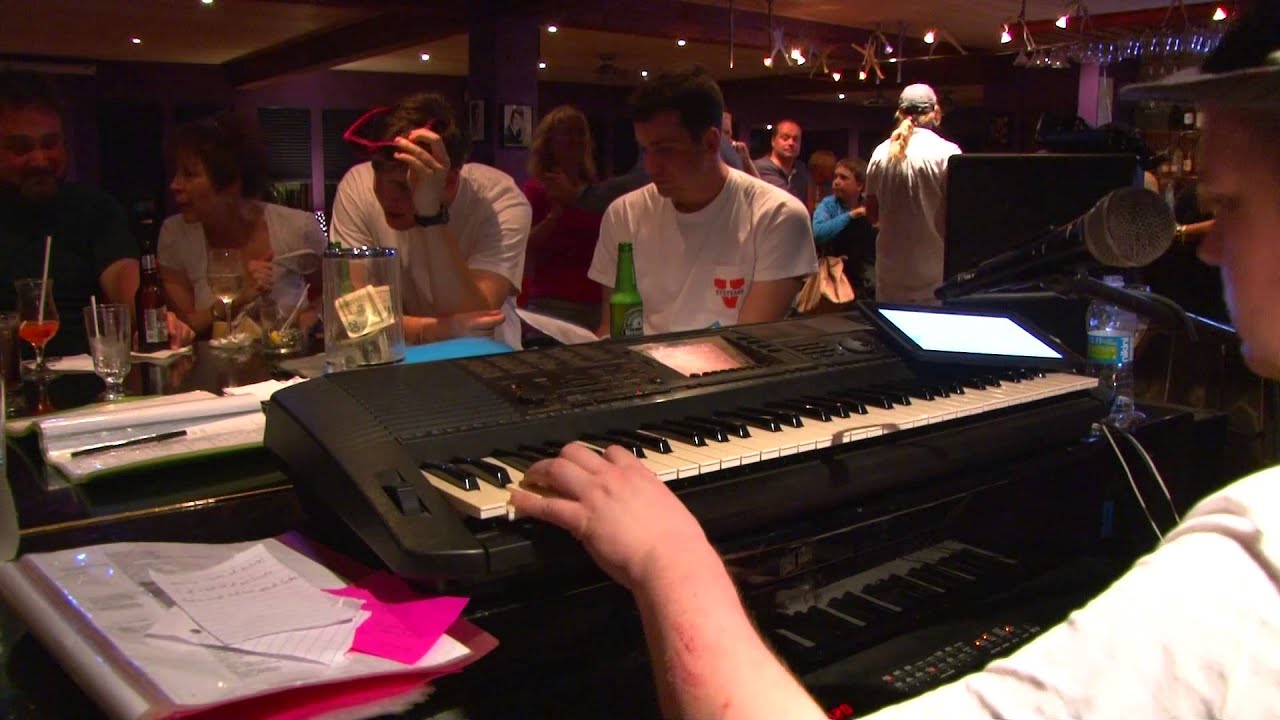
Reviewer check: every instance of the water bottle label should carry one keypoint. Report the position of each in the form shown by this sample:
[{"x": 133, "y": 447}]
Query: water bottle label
[{"x": 1110, "y": 349}]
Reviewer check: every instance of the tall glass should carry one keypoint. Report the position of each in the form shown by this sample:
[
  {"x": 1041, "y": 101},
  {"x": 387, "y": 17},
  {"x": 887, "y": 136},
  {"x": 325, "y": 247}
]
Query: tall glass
[
  {"x": 110, "y": 333},
  {"x": 226, "y": 277},
  {"x": 38, "y": 318}
]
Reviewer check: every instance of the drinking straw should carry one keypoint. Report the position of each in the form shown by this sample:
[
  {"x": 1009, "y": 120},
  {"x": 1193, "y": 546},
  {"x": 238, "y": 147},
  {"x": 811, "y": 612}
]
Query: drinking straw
[
  {"x": 44, "y": 278},
  {"x": 93, "y": 310},
  {"x": 301, "y": 299}
]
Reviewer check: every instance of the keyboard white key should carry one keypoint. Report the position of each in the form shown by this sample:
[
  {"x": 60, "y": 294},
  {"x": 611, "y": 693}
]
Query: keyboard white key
[{"x": 686, "y": 460}]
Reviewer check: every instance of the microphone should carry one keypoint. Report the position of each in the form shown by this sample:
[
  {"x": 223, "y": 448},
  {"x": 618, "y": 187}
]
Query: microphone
[{"x": 1128, "y": 227}]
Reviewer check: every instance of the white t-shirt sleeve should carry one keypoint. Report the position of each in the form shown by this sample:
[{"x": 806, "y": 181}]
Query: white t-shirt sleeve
[
  {"x": 1191, "y": 631},
  {"x": 785, "y": 247},
  {"x": 352, "y": 206},
  {"x": 500, "y": 248},
  {"x": 170, "y": 248},
  {"x": 613, "y": 230}
]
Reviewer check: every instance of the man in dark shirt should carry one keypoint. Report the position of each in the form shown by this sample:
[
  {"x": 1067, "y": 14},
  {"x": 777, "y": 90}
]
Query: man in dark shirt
[
  {"x": 92, "y": 251},
  {"x": 782, "y": 167}
]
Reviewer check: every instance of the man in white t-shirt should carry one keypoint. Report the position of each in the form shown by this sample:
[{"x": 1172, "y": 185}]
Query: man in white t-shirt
[
  {"x": 906, "y": 198},
  {"x": 712, "y": 245},
  {"x": 1191, "y": 631},
  {"x": 460, "y": 230}
]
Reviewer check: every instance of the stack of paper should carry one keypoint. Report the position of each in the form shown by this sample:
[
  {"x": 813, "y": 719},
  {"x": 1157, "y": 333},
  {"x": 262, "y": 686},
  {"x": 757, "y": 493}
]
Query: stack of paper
[
  {"x": 273, "y": 641},
  {"x": 207, "y": 424}
]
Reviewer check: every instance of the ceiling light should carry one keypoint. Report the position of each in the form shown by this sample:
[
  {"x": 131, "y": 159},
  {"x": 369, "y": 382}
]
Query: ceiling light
[
  {"x": 862, "y": 74},
  {"x": 930, "y": 36},
  {"x": 542, "y": 65},
  {"x": 424, "y": 57},
  {"x": 1219, "y": 14},
  {"x": 1062, "y": 22},
  {"x": 836, "y": 75},
  {"x": 1005, "y": 36},
  {"x": 841, "y": 96},
  {"x": 768, "y": 62},
  {"x": 888, "y": 49},
  {"x": 553, "y": 29},
  {"x": 206, "y": 2},
  {"x": 893, "y": 60},
  {"x": 135, "y": 40},
  {"x": 682, "y": 42},
  {"x": 769, "y": 126},
  {"x": 644, "y": 73}
]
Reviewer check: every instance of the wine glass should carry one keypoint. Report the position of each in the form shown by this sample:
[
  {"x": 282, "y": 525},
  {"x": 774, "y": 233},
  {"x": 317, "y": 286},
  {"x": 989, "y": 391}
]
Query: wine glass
[
  {"x": 110, "y": 332},
  {"x": 38, "y": 318},
  {"x": 226, "y": 277}
]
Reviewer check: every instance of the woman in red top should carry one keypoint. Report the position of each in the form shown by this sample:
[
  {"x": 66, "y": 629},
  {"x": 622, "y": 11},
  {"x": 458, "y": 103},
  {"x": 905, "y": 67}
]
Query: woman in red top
[{"x": 563, "y": 238}]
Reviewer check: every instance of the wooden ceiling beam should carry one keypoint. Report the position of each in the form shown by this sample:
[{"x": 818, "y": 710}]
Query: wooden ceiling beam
[{"x": 376, "y": 35}]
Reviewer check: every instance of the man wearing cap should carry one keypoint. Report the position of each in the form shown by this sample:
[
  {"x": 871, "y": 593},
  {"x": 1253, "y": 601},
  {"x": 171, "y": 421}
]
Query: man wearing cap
[
  {"x": 1191, "y": 631},
  {"x": 906, "y": 198},
  {"x": 460, "y": 229}
]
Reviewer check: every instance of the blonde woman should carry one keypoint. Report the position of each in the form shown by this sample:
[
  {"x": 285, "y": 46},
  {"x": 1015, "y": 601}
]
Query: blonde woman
[
  {"x": 906, "y": 198},
  {"x": 563, "y": 238}
]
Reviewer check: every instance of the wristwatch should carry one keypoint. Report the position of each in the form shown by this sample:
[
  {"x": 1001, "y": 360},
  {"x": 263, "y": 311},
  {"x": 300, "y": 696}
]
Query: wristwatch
[{"x": 439, "y": 218}]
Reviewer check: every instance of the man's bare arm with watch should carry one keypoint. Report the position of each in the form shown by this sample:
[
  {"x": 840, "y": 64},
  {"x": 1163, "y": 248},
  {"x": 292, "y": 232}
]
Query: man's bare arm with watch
[{"x": 467, "y": 301}]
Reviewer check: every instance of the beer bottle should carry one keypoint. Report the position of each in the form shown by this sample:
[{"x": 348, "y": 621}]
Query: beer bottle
[
  {"x": 152, "y": 311},
  {"x": 626, "y": 311}
]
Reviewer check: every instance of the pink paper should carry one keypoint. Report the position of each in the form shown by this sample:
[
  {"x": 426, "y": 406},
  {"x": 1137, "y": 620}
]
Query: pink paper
[{"x": 400, "y": 627}]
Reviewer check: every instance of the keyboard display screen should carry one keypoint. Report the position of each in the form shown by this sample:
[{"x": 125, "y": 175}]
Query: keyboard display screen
[
  {"x": 957, "y": 333},
  {"x": 695, "y": 355}
]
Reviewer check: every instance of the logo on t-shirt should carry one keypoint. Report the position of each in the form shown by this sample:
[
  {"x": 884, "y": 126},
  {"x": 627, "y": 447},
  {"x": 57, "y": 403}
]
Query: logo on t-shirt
[{"x": 730, "y": 290}]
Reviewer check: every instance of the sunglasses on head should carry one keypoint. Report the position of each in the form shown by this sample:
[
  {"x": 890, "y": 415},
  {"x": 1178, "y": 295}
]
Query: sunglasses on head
[{"x": 371, "y": 146}]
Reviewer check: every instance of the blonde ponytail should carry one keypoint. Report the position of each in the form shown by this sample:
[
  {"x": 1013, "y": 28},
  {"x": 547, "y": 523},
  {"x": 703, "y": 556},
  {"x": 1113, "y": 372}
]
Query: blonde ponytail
[{"x": 901, "y": 136}]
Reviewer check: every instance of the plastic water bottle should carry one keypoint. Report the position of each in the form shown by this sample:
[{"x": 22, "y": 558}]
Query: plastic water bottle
[{"x": 1111, "y": 335}]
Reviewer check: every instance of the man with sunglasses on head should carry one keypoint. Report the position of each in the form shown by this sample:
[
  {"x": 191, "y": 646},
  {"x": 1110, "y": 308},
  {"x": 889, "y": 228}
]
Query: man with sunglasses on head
[{"x": 459, "y": 228}]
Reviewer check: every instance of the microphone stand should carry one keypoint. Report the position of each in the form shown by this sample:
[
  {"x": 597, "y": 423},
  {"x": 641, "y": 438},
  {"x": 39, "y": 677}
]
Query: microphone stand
[{"x": 1156, "y": 307}]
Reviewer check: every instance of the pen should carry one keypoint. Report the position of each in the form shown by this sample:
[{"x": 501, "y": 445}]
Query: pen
[{"x": 92, "y": 449}]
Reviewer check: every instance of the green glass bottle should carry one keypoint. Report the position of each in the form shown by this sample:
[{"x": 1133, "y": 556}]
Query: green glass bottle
[{"x": 626, "y": 310}]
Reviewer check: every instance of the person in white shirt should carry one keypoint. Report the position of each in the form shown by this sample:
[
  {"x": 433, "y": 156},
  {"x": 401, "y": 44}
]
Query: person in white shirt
[
  {"x": 1191, "y": 631},
  {"x": 459, "y": 229},
  {"x": 906, "y": 198},
  {"x": 713, "y": 246}
]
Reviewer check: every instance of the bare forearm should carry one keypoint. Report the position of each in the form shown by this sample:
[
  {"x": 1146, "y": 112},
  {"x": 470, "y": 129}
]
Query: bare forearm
[
  {"x": 709, "y": 662},
  {"x": 452, "y": 283}
]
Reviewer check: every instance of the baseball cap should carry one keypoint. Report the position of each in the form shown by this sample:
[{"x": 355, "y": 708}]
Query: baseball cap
[
  {"x": 1244, "y": 71},
  {"x": 919, "y": 97}
]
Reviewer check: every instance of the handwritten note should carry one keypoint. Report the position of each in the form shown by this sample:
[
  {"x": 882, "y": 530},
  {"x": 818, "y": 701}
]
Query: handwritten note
[
  {"x": 402, "y": 626},
  {"x": 249, "y": 596}
]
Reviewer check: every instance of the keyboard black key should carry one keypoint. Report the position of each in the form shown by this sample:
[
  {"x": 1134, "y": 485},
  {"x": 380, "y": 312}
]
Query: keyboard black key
[
  {"x": 489, "y": 472},
  {"x": 834, "y": 408},
  {"x": 803, "y": 407},
  {"x": 784, "y": 417},
  {"x": 606, "y": 439},
  {"x": 656, "y": 443},
  {"x": 542, "y": 452},
  {"x": 518, "y": 460},
  {"x": 673, "y": 431},
  {"x": 764, "y": 422},
  {"x": 730, "y": 428},
  {"x": 918, "y": 392},
  {"x": 453, "y": 474},
  {"x": 875, "y": 398}
]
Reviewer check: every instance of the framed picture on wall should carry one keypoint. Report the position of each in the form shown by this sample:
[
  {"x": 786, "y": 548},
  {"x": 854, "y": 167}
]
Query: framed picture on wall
[
  {"x": 475, "y": 114},
  {"x": 517, "y": 125}
]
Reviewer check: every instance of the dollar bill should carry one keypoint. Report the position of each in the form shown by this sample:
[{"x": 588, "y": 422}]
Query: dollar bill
[{"x": 362, "y": 312}]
